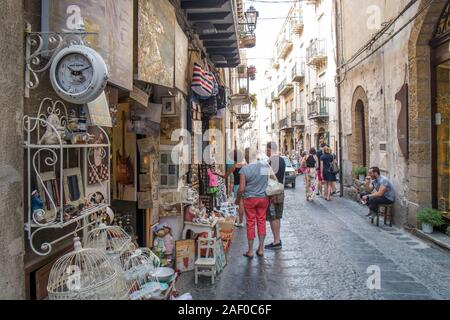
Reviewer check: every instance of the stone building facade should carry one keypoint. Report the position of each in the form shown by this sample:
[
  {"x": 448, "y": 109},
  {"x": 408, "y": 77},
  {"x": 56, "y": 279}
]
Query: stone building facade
[
  {"x": 392, "y": 60},
  {"x": 302, "y": 78}
]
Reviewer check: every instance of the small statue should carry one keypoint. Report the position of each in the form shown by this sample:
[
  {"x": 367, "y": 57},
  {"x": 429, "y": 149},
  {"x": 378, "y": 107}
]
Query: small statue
[
  {"x": 168, "y": 243},
  {"x": 159, "y": 247},
  {"x": 37, "y": 207},
  {"x": 51, "y": 137}
]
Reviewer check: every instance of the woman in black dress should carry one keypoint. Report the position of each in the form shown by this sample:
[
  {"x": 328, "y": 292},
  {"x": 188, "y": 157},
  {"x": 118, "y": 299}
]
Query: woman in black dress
[
  {"x": 235, "y": 171},
  {"x": 329, "y": 177}
]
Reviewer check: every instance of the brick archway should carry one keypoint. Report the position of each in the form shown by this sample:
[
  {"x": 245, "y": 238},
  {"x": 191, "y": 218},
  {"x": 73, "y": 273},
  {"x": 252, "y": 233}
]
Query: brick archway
[
  {"x": 359, "y": 145},
  {"x": 420, "y": 114}
]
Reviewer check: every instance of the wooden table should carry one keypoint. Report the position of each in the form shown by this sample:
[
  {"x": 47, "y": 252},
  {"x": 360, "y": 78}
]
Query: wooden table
[{"x": 200, "y": 228}]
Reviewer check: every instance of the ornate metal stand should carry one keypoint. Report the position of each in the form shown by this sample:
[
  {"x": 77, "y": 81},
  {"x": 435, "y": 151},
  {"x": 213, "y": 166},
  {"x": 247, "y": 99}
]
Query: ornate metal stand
[{"x": 39, "y": 153}]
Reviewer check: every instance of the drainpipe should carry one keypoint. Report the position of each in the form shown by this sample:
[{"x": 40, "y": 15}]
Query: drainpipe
[{"x": 338, "y": 53}]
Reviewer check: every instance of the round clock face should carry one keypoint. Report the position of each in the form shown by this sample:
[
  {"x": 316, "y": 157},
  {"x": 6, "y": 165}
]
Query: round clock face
[
  {"x": 78, "y": 74},
  {"x": 75, "y": 73}
]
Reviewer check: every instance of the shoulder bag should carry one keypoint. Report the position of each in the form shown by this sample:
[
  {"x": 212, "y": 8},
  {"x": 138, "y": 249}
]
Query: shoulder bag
[
  {"x": 274, "y": 188},
  {"x": 334, "y": 168}
]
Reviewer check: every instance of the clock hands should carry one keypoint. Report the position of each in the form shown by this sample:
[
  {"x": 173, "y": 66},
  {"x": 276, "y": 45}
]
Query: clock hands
[{"x": 78, "y": 72}]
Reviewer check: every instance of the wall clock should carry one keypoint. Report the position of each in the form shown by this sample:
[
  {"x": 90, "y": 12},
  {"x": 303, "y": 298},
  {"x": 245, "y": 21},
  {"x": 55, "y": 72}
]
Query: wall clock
[{"x": 78, "y": 74}]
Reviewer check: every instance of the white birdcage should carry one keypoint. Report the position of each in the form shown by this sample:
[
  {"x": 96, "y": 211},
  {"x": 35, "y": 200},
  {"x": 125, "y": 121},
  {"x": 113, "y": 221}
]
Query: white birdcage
[
  {"x": 138, "y": 270},
  {"x": 85, "y": 274},
  {"x": 112, "y": 240}
]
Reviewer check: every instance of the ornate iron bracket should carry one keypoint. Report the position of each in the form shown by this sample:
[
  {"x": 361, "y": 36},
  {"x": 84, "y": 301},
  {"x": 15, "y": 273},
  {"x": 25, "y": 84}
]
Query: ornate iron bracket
[{"x": 40, "y": 50}]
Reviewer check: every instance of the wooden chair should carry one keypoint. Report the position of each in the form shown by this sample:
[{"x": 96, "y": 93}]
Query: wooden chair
[
  {"x": 385, "y": 210},
  {"x": 206, "y": 266}
]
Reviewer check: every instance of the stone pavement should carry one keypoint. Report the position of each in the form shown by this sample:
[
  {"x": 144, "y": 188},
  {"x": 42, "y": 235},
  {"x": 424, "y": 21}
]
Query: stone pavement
[{"x": 327, "y": 249}]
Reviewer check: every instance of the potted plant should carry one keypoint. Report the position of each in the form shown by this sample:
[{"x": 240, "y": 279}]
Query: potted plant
[
  {"x": 429, "y": 218},
  {"x": 361, "y": 173}
]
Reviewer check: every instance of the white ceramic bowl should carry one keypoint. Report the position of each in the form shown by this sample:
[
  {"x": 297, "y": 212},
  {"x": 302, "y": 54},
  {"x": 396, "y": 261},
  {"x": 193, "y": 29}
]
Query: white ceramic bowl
[{"x": 164, "y": 274}]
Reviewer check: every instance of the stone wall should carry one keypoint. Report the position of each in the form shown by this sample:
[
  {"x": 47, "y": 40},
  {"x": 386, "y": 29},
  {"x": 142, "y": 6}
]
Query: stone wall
[
  {"x": 405, "y": 58},
  {"x": 375, "y": 82},
  {"x": 12, "y": 283}
]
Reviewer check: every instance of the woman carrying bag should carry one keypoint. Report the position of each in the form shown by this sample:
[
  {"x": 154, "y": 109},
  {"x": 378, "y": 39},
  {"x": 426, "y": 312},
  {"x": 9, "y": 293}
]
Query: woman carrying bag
[{"x": 252, "y": 188}]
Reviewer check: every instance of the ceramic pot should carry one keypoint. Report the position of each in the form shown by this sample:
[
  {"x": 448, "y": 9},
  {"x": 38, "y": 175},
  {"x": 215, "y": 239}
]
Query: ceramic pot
[{"x": 427, "y": 228}]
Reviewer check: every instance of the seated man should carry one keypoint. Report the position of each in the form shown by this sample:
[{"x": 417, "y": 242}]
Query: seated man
[
  {"x": 368, "y": 188},
  {"x": 382, "y": 191}
]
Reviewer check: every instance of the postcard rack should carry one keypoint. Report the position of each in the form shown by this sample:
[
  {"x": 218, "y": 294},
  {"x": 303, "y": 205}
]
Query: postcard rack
[{"x": 57, "y": 170}]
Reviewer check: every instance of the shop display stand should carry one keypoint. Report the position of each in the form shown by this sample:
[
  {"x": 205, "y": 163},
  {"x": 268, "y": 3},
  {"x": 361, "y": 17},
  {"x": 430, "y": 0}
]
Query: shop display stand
[{"x": 58, "y": 158}]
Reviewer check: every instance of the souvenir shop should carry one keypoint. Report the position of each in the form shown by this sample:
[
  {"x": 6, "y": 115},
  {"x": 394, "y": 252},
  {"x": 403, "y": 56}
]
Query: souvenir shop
[{"x": 114, "y": 205}]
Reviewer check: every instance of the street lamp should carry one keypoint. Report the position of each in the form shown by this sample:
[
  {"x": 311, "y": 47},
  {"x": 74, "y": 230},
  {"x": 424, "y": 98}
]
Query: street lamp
[{"x": 251, "y": 16}]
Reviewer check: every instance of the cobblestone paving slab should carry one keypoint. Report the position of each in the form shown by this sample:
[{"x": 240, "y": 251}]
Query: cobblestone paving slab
[{"x": 327, "y": 249}]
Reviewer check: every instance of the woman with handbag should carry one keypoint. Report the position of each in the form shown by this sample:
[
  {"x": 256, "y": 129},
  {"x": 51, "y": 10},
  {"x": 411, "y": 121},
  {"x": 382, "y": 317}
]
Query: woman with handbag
[
  {"x": 252, "y": 188},
  {"x": 235, "y": 170},
  {"x": 328, "y": 172}
]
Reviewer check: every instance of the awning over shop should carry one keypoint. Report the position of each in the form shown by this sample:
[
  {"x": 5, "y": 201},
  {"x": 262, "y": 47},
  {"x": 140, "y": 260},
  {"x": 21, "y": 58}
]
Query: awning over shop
[{"x": 215, "y": 21}]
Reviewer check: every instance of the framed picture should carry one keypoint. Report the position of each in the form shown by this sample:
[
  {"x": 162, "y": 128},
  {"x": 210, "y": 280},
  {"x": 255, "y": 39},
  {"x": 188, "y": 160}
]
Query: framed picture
[
  {"x": 73, "y": 186},
  {"x": 185, "y": 255},
  {"x": 169, "y": 107},
  {"x": 51, "y": 194},
  {"x": 221, "y": 258}
]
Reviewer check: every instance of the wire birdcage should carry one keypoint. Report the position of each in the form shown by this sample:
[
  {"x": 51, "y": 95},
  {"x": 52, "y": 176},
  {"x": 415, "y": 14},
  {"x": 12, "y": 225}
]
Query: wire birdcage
[
  {"x": 85, "y": 274},
  {"x": 138, "y": 271},
  {"x": 112, "y": 240}
]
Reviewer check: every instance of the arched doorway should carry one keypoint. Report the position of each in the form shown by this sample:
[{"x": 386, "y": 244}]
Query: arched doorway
[
  {"x": 359, "y": 146},
  {"x": 429, "y": 158}
]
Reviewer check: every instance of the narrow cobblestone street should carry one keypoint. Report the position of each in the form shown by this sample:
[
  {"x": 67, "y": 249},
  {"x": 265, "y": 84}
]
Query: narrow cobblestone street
[{"x": 327, "y": 248}]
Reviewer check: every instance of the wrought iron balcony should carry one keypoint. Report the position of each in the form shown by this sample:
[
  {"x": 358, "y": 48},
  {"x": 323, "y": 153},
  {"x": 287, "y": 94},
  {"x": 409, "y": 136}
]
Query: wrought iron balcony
[
  {"x": 284, "y": 87},
  {"x": 298, "y": 25},
  {"x": 298, "y": 72},
  {"x": 243, "y": 111},
  {"x": 275, "y": 97},
  {"x": 284, "y": 123},
  {"x": 316, "y": 53},
  {"x": 298, "y": 119},
  {"x": 318, "y": 110},
  {"x": 284, "y": 46}
]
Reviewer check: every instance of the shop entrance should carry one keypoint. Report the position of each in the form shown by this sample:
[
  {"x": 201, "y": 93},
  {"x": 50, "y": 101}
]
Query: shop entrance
[
  {"x": 442, "y": 140},
  {"x": 441, "y": 130},
  {"x": 441, "y": 106}
]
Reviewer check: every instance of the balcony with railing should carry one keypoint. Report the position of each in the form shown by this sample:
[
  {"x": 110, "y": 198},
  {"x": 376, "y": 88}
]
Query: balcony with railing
[
  {"x": 298, "y": 72},
  {"x": 316, "y": 53},
  {"x": 283, "y": 123},
  {"x": 284, "y": 46},
  {"x": 318, "y": 110},
  {"x": 284, "y": 87},
  {"x": 275, "y": 97},
  {"x": 298, "y": 24},
  {"x": 298, "y": 119}
]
